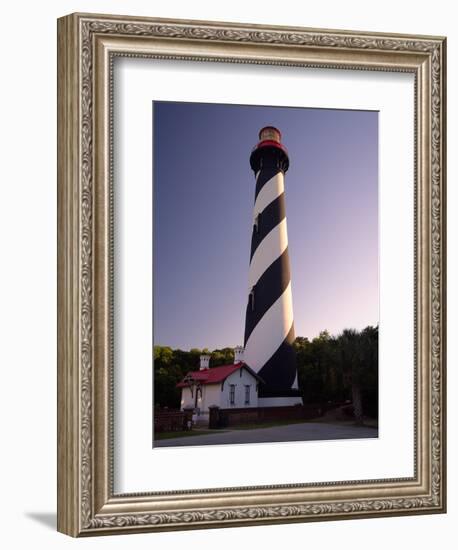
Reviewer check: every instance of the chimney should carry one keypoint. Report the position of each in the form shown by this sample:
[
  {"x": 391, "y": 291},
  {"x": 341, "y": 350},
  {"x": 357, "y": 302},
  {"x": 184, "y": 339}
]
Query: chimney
[
  {"x": 238, "y": 354},
  {"x": 204, "y": 361}
]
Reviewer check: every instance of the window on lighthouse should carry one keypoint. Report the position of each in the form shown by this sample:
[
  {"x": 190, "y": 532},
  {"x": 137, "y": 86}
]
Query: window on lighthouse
[
  {"x": 257, "y": 223},
  {"x": 251, "y": 299}
]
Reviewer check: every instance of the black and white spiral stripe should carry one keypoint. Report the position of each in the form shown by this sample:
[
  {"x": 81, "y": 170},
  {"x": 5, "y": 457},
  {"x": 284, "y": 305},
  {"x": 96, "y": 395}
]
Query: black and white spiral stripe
[{"x": 269, "y": 326}]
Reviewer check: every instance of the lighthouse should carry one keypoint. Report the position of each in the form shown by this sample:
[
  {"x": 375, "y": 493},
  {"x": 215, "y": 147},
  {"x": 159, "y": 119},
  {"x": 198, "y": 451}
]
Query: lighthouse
[{"x": 269, "y": 323}]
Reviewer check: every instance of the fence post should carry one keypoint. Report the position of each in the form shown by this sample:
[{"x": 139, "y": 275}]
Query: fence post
[
  {"x": 187, "y": 421},
  {"x": 213, "y": 417}
]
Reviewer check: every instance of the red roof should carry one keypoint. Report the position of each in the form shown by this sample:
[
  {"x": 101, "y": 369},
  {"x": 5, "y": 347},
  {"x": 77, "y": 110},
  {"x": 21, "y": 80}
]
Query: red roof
[
  {"x": 271, "y": 143},
  {"x": 213, "y": 375}
]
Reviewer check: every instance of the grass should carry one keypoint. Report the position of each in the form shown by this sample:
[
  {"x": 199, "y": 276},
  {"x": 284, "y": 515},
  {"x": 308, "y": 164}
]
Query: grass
[
  {"x": 367, "y": 422},
  {"x": 272, "y": 424},
  {"x": 370, "y": 422},
  {"x": 184, "y": 433}
]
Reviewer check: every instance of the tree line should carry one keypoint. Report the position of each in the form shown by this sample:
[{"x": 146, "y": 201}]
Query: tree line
[{"x": 331, "y": 369}]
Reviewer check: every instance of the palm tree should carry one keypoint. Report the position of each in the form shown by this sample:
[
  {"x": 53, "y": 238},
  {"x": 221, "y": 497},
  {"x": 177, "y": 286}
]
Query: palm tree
[
  {"x": 359, "y": 363},
  {"x": 369, "y": 341},
  {"x": 351, "y": 347}
]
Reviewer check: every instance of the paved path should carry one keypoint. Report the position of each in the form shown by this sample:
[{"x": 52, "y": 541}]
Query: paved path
[{"x": 308, "y": 431}]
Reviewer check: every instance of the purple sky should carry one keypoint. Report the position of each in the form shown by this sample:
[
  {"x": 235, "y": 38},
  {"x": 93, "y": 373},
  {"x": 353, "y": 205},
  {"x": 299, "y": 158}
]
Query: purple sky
[{"x": 203, "y": 200}]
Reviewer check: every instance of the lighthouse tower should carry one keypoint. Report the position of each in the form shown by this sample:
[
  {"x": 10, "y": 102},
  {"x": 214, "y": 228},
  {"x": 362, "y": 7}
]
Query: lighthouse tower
[{"x": 269, "y": 326}]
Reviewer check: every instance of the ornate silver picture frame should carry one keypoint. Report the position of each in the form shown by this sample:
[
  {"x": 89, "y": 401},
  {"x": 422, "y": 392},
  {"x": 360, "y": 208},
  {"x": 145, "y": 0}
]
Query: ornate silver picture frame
[{"x": 87, "y": 47}]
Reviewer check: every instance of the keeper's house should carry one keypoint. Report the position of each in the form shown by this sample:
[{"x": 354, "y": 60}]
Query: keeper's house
[{"x": 228, "y": 386}]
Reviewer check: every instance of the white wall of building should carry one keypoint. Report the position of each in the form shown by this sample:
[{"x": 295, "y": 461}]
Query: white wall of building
[
  {"x": 240, "y": 379},
  {"x": 187, "y": 398},
  {"x": 212, "y": 394}
]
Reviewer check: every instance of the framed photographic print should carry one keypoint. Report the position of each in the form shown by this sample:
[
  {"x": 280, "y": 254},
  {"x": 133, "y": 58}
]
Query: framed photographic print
[{"x": 251, "y": 274}]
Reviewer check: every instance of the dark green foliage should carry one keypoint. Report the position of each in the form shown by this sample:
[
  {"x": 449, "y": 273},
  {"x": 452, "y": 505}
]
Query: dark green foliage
[
  {"x": 172, "y": 365},
  {"x": 223, "y": 356},
  {"x": 339, "y": 368},
  {"x": 370, "y": 382},
  {"x": 167, "y": 373},
  {"x": 331, "y": 369}
]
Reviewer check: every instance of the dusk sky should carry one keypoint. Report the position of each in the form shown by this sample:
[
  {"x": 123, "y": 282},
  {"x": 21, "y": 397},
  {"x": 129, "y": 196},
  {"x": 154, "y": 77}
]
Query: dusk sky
[{"x": 203, "y": 201}]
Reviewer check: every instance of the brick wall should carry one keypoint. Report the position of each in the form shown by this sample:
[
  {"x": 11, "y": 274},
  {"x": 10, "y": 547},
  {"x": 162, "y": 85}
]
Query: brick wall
[
  {"x": 171, "y": 421},
  {"x": 223, "y": 418}
]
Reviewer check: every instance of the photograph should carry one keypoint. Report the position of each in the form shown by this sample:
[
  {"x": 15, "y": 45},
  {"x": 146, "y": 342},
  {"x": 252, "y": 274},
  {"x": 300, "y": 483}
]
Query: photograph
[{"x": 265, "y": 274}]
